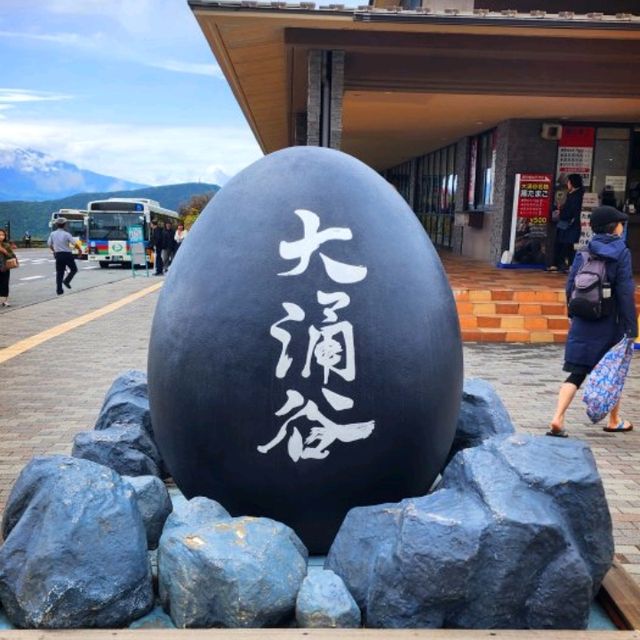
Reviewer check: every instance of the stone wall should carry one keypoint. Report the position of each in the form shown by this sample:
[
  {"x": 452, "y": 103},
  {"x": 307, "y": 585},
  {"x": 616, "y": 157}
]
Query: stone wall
[
  {"x": 314, "y": 91},
  {"x": 325, "y": 74}
]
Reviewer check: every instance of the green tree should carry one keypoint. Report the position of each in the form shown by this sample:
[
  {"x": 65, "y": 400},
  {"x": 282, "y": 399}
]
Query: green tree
[{"x": 190, "y": 210}]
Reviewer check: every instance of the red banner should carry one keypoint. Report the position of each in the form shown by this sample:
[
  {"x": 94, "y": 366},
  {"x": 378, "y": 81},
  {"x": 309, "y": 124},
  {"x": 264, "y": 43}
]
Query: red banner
[
  {"x": 534, "y": 198},
  {"x": 531, "y": 211}
]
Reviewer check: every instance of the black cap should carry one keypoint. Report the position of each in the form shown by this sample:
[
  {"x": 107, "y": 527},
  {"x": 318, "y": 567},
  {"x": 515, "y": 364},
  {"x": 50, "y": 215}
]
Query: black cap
[{"x": 604, "y": 215}]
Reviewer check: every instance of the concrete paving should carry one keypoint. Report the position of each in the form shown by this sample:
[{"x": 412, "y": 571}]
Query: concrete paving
[
  {"x": 52, "y": 391},
  {"x": 35, "y": 279}
]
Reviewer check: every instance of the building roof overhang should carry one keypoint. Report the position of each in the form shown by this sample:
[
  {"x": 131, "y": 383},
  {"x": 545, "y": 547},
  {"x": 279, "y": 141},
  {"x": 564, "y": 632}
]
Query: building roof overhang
[{"x": 416, "y": 81}]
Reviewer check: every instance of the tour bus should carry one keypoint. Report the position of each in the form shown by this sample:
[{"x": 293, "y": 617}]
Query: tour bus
[
  {"x": 76, "y": 225},
  {"x": 108, "y": 222}
]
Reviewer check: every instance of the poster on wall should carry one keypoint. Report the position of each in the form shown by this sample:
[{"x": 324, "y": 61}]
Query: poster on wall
[
  {"x": 575, "y": 153},
  {"x": 531, "y": 209},
  {"x": 589, "y": 202}
]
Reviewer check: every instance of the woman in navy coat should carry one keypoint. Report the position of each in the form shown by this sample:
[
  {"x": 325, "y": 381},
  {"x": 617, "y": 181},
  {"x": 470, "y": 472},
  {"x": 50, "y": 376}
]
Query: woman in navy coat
[
  {"x": 568, "y": 224},
  {"x": 589, "y": 340}
]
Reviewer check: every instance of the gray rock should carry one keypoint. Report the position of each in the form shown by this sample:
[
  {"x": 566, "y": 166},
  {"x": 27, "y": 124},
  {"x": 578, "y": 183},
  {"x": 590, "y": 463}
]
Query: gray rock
[
  {"x": 482, "y": 415},
  {"x": 127, "y": 402},
  {"x": 154, "y": 504},
  {"x": 239, "y": 572},
  {"x": 567, "y": 472},
  {"x": 325, "y": 601},
  {"x": 194, "y": 513},
  {"x": 517, "y": 536},
  {"x": 559, "y": 477},
  {"x": 75, "y": 550},
  {"x": 126, "y": 449},
  {"x": 156, "y": 619},
  {"x": 436, "y": 545},
  {"x": 365, "y": 534}
]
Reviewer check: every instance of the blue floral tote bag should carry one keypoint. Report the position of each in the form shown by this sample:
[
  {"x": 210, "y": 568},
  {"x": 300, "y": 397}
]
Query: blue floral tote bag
[{"x": 605, "y": 383}]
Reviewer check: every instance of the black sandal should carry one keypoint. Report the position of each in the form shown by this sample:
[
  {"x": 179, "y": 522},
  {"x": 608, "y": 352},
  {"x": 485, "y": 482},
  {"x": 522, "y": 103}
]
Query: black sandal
[{"x": 557, "y": 434}]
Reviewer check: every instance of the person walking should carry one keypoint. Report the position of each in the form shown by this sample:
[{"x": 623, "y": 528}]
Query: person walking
[
  {"x": 6, "y": 253},
  {"x": 156, "y": 241},
  {"x": 168, "y": 244},
  {"x": 61, "y": 242},
  {"x": 589, "y": 340},
  {"x": 181, "y": 234},
  {"x": 27, "y": 239},
  {"x": 567, "y": 220}
]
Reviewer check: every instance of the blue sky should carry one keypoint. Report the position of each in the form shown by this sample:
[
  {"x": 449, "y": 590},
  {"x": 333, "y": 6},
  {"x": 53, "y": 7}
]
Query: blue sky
[{"x": 128, "y": 88}]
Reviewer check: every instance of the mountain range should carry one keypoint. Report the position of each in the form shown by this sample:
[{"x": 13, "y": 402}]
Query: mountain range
[
  {"x": 27, "y": 174},
  {"x": 33, "y": 185}
]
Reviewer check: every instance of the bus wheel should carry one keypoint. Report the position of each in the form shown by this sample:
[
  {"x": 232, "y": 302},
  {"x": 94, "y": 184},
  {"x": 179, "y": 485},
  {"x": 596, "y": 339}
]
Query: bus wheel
[
  {"x": 104, "y": 264},
  {"x": 126, "y": 265}
]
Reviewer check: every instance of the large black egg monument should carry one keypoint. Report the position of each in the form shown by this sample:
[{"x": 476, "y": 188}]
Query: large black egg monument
[{"x": 305, "y": 355}]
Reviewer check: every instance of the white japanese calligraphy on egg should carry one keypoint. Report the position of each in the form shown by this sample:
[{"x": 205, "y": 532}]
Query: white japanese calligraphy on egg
[{"x": 331, "y": 345}]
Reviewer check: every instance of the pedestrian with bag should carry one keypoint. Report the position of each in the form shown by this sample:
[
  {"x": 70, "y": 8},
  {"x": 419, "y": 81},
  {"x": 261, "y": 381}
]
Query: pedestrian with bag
[
  {"x": 61, "y": 243},
  {"x": 567, "y": 221},
  {"x": 8, "y": 261},
  {"x": 597, "y": 325}
]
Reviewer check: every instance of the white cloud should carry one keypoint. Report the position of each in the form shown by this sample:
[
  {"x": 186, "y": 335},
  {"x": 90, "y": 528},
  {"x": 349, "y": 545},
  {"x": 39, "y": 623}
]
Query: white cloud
[
  {"x": 142, "y": 153},
  {"x": 10, "y": 97},
  {"x": 122, "y": 49},
  {"x": 186, "y": 67},
  {"x": 147, "y": 32}
]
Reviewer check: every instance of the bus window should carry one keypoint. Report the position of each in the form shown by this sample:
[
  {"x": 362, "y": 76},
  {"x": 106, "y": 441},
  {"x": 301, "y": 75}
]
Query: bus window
[
  {"x": 109, "y": 226},
  {"x": 76, "y": 228}
]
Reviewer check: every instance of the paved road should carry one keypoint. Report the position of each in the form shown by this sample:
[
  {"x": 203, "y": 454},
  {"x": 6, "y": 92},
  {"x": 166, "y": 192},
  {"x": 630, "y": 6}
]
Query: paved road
[
  {"x": 35, "y": 280},
  {"x": 54, "y": 388}
]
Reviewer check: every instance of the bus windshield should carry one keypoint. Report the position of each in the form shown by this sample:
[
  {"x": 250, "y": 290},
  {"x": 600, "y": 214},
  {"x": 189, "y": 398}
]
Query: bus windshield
[
  {"x": 76, "y": 228},
  {"x": 111, "y": 226}
]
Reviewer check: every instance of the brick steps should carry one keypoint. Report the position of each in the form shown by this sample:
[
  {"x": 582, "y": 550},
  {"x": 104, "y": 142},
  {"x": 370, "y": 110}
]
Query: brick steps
[{"x": 512, "y": 315}]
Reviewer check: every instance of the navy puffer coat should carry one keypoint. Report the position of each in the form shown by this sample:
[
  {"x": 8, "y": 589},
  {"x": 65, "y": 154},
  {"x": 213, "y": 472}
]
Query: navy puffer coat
[
  {"x": 570, "y": 213},
  {"x": 589, "y": 340}
]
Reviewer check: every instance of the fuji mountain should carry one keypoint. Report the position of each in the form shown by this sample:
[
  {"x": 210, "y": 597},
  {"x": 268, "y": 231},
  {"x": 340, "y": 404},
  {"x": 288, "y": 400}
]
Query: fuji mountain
[{"x": 27, "y": 174}]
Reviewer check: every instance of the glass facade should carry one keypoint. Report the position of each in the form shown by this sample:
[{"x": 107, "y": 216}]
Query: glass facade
[
  {"x": 482, "y": 170},
  {"x": 428, "y": 184}
]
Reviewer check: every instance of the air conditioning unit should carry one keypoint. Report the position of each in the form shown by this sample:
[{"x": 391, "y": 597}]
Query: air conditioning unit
[{"x": 551, "y": 131}]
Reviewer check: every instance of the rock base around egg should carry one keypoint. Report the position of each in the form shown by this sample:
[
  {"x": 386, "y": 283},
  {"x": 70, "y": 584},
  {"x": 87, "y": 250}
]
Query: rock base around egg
[{"x": 517, "y": 534}]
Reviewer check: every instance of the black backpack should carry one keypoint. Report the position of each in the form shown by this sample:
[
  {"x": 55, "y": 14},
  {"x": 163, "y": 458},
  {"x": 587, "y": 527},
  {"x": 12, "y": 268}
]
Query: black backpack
[{"x": 590, "y": 297}]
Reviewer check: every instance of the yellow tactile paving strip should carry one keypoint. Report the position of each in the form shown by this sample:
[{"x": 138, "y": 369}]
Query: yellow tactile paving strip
[{"x": 33, "y": 341}]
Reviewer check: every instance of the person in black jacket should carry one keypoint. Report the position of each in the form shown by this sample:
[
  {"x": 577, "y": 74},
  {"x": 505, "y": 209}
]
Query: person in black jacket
[
  {"x": 168, "y": 244},
  {"x": 589, "y": 340},
  {"x": 156, "y": 242},
  {"x": 567, "y": 221}
]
